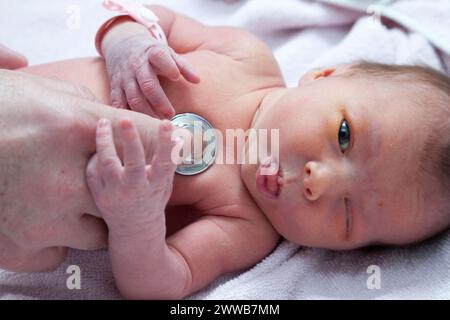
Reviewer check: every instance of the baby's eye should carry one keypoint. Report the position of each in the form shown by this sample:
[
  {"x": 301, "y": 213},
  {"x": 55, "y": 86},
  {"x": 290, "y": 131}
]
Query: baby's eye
[{"x": 344, "y": 136}]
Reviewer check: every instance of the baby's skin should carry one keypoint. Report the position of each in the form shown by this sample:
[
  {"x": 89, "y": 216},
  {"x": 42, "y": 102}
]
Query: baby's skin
[
  {"x": 341, "y": 176},
  {"x": 213, "y": 224}
]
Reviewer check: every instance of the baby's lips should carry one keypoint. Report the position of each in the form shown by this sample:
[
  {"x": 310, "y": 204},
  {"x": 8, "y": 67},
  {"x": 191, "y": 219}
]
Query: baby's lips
[
  {"x": 269, "y": 178},
  {"x": 266, "y": 163},
  {"x": 269, "y": 167},
  {"x": 272, "y": 184}
]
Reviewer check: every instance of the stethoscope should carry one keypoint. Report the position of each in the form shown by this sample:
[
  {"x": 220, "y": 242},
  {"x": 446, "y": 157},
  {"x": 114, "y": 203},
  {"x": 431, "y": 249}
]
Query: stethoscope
[{"x": 201, "y": 129}]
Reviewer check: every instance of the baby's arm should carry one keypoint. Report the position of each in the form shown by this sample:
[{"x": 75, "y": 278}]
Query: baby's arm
[
  {"x": 132, "y": 200},
  {"x": 186, "y": 35},
  {"x": 134, "y": 58},
  {"x": 215, "y": 245}
]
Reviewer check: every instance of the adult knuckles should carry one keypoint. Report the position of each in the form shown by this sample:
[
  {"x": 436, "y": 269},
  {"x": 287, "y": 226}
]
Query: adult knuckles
[{"x": 84, "y": 92}]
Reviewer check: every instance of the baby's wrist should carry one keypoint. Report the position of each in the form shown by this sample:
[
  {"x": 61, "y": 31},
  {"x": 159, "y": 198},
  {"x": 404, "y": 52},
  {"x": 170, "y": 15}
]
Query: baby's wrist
[
  {"x": 130, "y": 229},
  {"x": 120, "y": 31}
]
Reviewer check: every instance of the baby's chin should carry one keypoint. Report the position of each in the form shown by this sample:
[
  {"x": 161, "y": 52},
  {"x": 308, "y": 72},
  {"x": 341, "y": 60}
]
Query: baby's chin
[{"x": 248, "y": 176}]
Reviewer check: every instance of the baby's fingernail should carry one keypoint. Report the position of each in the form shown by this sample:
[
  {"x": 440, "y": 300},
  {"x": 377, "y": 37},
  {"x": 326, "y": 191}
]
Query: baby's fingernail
[
  {"x": 197, "y": 79},
  {"x": 169, "y": 114},
  {"x": 125, "y": 124},
  {"x": 176, "y": 77},
  {"x": 166, "y": 125},
  {"x": 266, "y": 163},
  {"x": 179, "y": 140}
]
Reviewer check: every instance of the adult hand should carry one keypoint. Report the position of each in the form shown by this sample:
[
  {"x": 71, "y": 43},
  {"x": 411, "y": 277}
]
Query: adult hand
[
  {"x": 34, "y": 125},
  {"x": 47, "y": 136},
  {"x": 10, "y": 59}
]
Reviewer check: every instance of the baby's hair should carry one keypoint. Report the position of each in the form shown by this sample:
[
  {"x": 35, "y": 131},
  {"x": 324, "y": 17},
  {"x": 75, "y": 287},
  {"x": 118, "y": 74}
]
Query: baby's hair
[{"x": 433, "y": 90}]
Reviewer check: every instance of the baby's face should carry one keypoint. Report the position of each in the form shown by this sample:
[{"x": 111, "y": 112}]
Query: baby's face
[{"x": 349, "y": 155}]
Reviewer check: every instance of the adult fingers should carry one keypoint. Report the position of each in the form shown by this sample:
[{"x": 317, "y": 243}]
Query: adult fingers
[
  {"x": 85, "y": 232},
  {"x": 10, "y": 59},
  {"x": 67, "y": 87},
  {"x": 27, "y": 261},
  {"x": 53, "y": 84}
]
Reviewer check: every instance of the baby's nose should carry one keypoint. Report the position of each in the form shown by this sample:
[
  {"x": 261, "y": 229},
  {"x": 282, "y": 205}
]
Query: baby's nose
[{"x": 318, "y": 180}]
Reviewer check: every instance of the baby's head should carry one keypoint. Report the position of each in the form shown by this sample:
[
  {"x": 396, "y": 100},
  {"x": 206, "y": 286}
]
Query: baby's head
[{"x": 364, "y": 155}]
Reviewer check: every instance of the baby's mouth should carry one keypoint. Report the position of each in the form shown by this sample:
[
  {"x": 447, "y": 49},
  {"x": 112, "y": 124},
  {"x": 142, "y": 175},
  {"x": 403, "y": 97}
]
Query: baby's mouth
[{"x": 269, "y": 178}]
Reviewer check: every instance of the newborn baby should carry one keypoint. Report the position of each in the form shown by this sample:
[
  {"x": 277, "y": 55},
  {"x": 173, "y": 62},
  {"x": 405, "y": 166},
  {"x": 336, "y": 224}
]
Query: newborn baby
[{"x": 364, "y": 155}]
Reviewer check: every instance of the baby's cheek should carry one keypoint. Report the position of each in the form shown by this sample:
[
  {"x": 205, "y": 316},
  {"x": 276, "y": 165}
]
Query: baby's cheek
[{"x": 314, "y": 228}]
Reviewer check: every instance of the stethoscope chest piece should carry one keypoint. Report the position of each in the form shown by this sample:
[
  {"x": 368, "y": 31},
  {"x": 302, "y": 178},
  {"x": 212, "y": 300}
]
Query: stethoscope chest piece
[{"x": 203, "y": 147}]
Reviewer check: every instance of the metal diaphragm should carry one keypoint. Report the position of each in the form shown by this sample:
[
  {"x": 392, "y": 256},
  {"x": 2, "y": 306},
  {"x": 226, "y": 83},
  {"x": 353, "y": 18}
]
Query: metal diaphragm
[{"x": 203, "y": 144}]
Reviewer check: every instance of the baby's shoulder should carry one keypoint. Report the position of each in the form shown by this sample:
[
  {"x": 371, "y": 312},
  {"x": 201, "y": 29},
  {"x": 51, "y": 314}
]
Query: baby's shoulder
[{"x": 240, "y": 45}]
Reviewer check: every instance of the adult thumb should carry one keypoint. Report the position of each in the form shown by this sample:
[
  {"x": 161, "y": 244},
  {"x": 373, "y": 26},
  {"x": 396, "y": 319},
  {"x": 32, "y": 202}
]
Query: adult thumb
[{"x": 11, "y": 60}]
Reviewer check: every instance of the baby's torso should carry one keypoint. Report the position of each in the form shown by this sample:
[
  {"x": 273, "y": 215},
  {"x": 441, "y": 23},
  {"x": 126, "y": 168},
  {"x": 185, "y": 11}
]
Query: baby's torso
[{"x": 228, "y": 96}]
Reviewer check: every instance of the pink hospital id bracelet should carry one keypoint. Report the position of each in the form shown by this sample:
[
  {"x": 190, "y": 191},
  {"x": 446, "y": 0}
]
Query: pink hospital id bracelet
[{"x": 137, "y": 12}]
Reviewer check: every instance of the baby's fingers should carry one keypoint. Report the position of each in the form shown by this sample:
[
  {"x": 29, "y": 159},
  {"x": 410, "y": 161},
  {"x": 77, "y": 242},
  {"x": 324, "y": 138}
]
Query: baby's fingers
[
  {"x": 93, "y": 179},
  {"x": 161, "y": 59},
  {"x": 133, "y": 152},
  {"x": 136, "y": 99},
  {"x": 109, "y": 164},
  {"x": 185, "y": 68},
  {"x": 118, "y": 98},
  {"x": 163, "y": 166},
  {"x": 151, "y": 87}
]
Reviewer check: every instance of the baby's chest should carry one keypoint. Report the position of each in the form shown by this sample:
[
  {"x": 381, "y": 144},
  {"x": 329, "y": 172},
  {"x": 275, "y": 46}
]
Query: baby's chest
[
  {"x": 226, "y": 94},
  {"x": 218, "y": 191},
  {"x": 227, "y": 98},
  {"x": 219, "y": 185}
]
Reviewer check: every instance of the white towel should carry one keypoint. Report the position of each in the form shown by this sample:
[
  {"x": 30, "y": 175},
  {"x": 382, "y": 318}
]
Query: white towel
[{"x": 304, "y": 35}]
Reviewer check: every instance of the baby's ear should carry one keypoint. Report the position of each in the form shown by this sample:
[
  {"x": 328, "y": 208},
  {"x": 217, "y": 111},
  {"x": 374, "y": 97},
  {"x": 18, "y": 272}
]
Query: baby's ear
[{"x": 315, "y": 74}]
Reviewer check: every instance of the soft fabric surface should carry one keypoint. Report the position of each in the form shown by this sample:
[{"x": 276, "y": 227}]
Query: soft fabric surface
[{"x": 304, "y": 35}]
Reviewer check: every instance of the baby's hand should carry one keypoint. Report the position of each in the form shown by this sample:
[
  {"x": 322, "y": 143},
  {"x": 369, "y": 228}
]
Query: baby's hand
[
  {"x": 133, "y": 64},
  {"x": 131, "y": 197}
]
